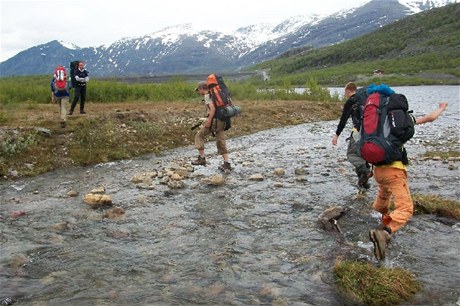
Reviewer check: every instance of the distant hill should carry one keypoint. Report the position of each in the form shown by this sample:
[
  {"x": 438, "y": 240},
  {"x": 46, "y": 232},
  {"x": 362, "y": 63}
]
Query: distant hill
[
  {"x": 427, "y": 42},
  {"x": 182, "y": 50}
]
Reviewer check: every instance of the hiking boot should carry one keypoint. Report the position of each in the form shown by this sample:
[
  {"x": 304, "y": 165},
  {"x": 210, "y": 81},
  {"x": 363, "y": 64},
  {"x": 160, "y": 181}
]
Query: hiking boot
[
  {"x": 70, "y": 113},
  {"x": 62, "y": 124},
  {"x": 363, "y": 180},
  {"x": 82, "y": 112},
  {"x": 200, "y": 161},
  {"x": 226, "y": 167},
  {"x": 380, "y": 239}
]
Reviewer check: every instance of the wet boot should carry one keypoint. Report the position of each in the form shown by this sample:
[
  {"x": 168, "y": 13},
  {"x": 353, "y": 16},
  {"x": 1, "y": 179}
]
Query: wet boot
[
  {"x": 225, "y": 167},
  {"x": 363, "y": 178},
  {"x": 380, "y": 239},
  {"x": 200, "y": 161}
]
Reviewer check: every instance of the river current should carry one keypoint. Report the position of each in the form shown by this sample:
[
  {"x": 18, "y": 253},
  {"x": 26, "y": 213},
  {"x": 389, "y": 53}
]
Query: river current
[{"x": 247, "y": 242}]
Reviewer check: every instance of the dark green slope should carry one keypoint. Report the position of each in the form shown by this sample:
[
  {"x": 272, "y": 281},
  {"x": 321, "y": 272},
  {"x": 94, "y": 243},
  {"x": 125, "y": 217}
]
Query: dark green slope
[{"x": 427, "y": 43}]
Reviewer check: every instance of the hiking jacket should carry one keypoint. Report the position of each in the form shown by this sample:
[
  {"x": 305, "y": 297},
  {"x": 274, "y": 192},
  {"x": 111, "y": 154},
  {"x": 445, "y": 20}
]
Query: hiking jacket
[
  {"x": 350, "y": 109},
  {"x": 81, "y": 76}
]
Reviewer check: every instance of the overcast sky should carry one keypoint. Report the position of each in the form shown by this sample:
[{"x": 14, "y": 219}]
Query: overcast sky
[{"x": 25, "y": 24}]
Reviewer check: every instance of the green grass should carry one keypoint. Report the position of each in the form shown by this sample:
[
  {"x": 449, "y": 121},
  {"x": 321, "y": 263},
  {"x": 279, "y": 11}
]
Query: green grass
[
  {"x": 432, "y": 204},
  {"x": 409, "y": 51},
  {"x": 36, "y": 90},
  {"x": 363, "y": 283}
]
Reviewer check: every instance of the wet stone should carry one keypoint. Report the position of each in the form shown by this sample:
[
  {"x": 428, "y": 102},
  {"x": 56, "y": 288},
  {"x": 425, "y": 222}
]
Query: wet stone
[
  {"x": 97, "y": 200},
  {"x": 256, "y": 177},
  {"x": 329, "y": 217},
  {"x": 98, "y": 190},
  {"x": 72, "y": 193}
]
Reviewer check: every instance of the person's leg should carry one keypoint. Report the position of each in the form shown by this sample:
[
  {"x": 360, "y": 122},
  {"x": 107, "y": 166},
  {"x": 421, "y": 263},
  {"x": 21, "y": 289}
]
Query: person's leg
[
  {"x": 62, "y": 103},
  {"x": 382, "y": 201},
  {"x": 392, "y": 182},
  {"x": 82, "y": 99},
  {"x": 403, "y": 205},
  {"x": 222, "y": 144},
  {"x": 199, "y": 145},
  {"x": 360, "y": 165},
  {"x": 75, "y": 99}
]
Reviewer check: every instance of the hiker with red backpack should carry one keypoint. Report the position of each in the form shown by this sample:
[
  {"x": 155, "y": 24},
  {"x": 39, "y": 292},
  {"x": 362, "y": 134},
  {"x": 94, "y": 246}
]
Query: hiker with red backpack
[
  {"x": 386, "y": 125},
  {"x": 215, "y": 122},
  {"x": 81, "y": 78},
  {"x": 351, "y": 110},
  {"x": 60, "y": 91}
]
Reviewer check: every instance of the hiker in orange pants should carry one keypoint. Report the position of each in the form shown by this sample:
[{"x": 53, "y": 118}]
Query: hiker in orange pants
[{"x": 392, "y": 181}]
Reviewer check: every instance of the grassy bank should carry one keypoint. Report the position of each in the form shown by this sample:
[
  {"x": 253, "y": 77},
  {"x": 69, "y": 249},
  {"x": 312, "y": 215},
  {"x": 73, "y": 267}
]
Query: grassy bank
[{"x": 113, "y": 131}]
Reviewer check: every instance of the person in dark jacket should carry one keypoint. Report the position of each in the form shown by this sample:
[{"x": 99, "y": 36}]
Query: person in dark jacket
[
  {"x": 351, "y": 109},
  {"x": 81, "y": 78}
]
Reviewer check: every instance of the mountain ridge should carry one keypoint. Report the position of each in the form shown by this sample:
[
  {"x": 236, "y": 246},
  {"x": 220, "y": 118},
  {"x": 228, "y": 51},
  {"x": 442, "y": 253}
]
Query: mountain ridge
[{"x": 181, "y": 49}]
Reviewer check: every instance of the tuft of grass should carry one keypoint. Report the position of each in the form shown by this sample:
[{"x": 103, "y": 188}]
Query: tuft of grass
[
  {"x": 443, "y": 155},
  {"x": 364, "y": 283},
  {"x": 432, "y": 204}
]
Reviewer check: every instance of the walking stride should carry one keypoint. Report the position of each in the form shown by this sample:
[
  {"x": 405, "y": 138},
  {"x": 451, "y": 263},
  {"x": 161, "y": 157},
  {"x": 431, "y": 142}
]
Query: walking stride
[
  {"x": 216, "y": 125},
  {"x": 60, "y": 92},
  {"x": 387, "y": 125},
  {"x": 351, "y": 110}
]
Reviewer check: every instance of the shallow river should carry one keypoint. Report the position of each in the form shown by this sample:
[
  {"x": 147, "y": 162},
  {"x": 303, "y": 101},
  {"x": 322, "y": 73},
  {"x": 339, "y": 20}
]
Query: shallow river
[{"x": 243, "y": 243}]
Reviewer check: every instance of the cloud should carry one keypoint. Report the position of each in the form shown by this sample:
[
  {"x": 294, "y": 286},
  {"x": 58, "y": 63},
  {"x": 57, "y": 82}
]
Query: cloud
[{"x": 25, "y": 24}]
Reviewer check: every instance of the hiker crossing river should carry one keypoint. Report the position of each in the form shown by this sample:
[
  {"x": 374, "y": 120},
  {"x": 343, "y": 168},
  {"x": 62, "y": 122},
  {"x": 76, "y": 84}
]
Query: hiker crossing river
[{"x": 177, "y": 236}]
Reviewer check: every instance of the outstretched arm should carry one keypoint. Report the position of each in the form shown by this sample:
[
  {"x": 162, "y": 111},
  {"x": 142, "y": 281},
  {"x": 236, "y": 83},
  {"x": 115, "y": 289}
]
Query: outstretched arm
[{"x": 433, "y": 115}]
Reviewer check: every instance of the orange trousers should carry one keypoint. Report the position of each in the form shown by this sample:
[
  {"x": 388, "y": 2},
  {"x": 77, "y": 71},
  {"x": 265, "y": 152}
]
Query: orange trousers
[{"x": 393, "y": 182}]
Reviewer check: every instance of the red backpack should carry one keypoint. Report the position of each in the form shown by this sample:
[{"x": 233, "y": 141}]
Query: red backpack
[
  {"x": 386, "y": 125},
  {"x": 60, "y": 78}
]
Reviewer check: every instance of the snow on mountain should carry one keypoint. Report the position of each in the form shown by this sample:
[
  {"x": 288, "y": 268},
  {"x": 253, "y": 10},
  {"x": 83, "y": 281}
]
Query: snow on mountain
[
  {"x": 183, "y": 49},
  {"x": 417, "y": 6},
  {"x": 70, "y": 46}
]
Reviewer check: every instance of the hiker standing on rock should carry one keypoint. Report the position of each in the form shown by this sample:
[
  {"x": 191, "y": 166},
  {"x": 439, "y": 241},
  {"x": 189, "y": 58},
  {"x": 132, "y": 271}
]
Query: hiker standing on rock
[
  {"x": 392, "y": 181},
  {"x": 211, "y": 125},
  {"x": 351, "y": 109},
  {"x": 81, "y": 78}
]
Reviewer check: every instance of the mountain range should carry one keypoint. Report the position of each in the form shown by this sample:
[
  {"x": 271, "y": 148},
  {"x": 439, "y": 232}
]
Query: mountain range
[{"x": 183, "y": 50}]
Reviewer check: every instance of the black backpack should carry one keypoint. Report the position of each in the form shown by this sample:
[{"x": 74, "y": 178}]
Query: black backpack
[
  {"x": 73, "y": 68},
  {"x": 386, "y": 125}
]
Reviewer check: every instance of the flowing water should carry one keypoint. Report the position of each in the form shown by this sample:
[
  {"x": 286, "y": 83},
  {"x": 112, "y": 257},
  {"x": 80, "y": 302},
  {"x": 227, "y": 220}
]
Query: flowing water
[{"x": 246, "y": 242}]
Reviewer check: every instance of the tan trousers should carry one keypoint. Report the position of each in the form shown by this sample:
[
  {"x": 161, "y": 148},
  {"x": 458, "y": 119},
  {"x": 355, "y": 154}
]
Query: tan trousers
[
  {"x": 218, "y": 128},
  {"x": 62, "y": 102},
  {"x": 393, "y": 182}
]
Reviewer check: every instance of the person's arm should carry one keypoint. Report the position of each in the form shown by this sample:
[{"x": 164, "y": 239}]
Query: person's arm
[
  {"x": 79, "y": 79},
  {"x": 212, "y": 111},
  {"x": 347, "y": 108},
  {"x": 433, "y": 115}
]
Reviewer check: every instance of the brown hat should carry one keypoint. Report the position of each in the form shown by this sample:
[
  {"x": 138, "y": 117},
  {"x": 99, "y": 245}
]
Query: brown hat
[{"x": 201, "y": 85}]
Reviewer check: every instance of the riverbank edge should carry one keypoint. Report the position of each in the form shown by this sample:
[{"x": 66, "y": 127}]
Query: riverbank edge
[{"x": 33, "y": 141}]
